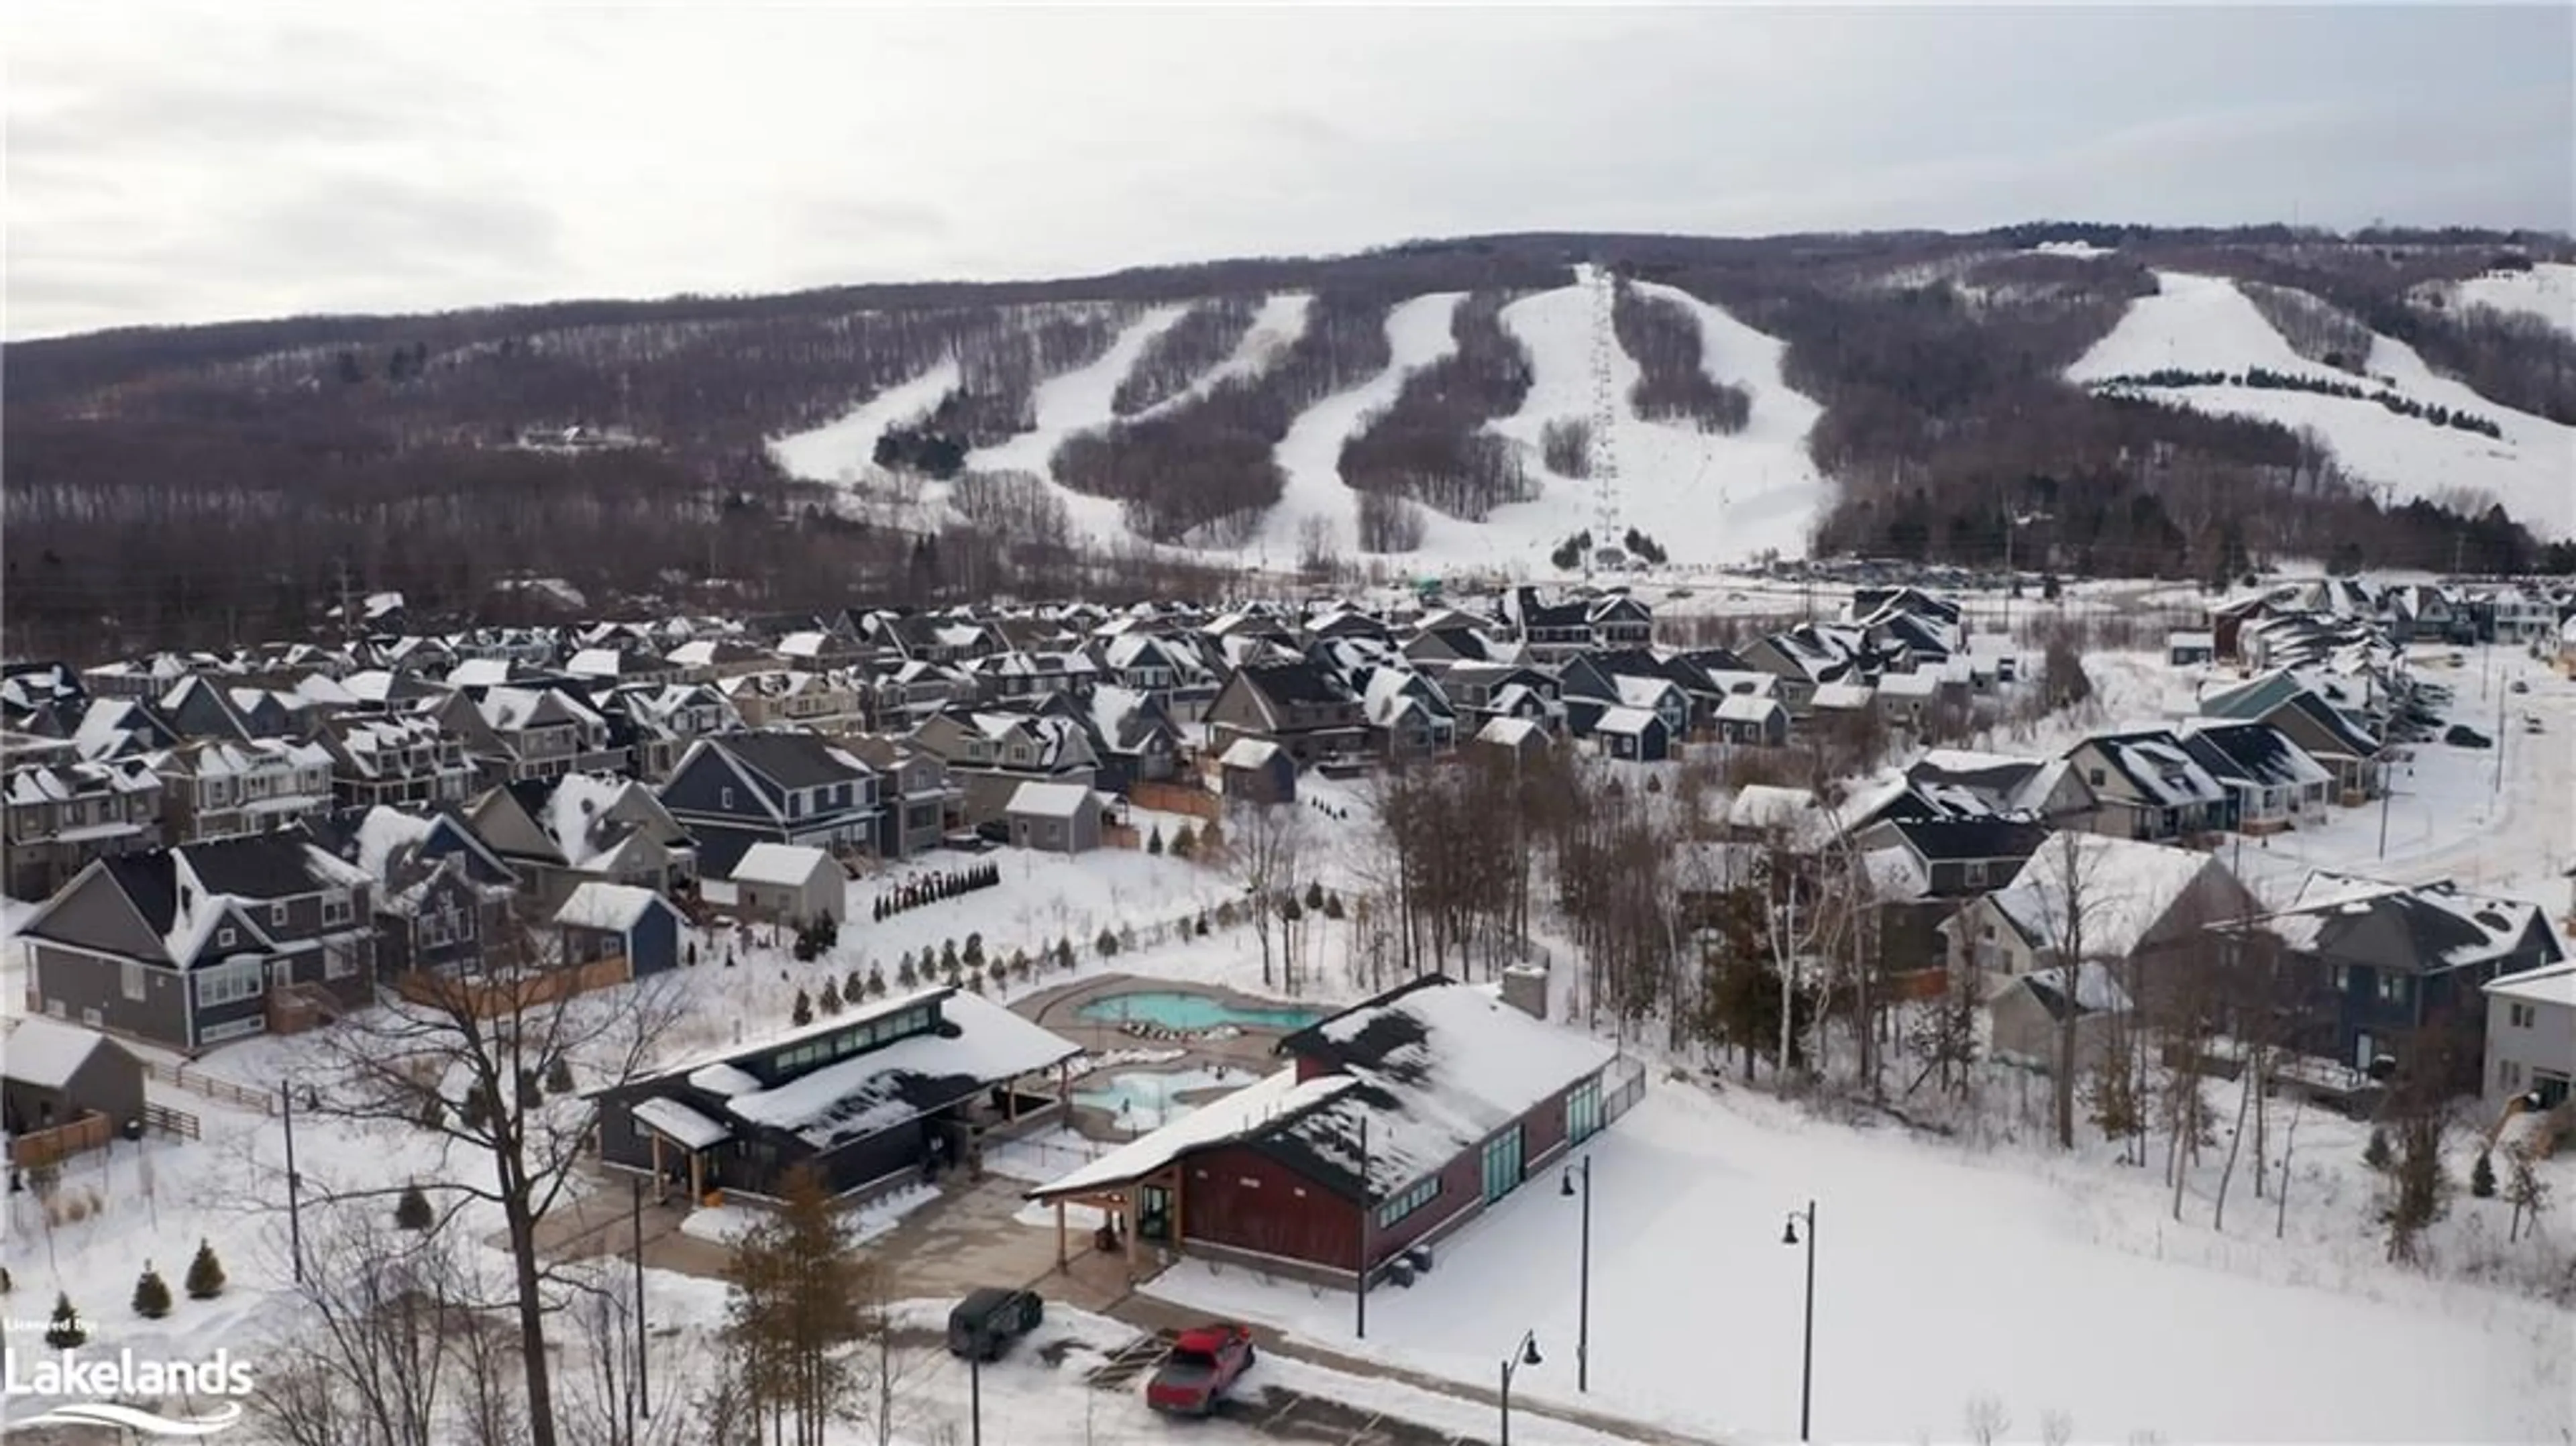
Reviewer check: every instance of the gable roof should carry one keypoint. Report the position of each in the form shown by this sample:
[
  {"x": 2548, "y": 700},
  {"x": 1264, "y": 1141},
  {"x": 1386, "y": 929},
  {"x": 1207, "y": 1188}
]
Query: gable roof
[
  {"x": 2160, "y": 767},
  {"x": 614, "y": 908},
  {"x": 1048, "y": 800},
  {"x": 782, "y": 864},
  {"x": 791, "y": 760},
  {"x": 2116, "y": 889},
  {"x": 2441, "y": 927},
  {"x": 46, "y": 1053}
]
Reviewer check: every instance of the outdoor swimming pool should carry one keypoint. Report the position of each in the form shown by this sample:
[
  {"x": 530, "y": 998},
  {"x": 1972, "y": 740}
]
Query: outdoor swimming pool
[
  {"x": 1141, "y": 1100},
  {"x": 1175, "y": 1010}
]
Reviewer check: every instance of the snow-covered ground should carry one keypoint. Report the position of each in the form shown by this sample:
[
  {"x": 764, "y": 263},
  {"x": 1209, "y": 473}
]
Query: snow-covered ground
[
  {"x": 2205, "y": 324},
  {"x": 843, "y": 451},
  {"x": 1941, "y": 1276},
  {"x": 1275, "y": 328},
  {"x": 1078, "y": 401},
  {"x": 1708, "y": 498},
  {"x": 2547, "y": 290},
  {"x": 1310, "y": 455}
]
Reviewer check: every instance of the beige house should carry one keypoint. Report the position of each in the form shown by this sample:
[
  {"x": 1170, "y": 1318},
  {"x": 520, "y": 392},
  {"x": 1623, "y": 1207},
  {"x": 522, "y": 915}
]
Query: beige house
[{"x": 791, "y": 882}]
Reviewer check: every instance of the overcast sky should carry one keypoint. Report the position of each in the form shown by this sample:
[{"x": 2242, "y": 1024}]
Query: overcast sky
[{"x": 169, "y": 164}]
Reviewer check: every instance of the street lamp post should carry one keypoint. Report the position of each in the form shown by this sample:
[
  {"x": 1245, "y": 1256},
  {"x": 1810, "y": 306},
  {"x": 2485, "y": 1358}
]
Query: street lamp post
[
  {"x": 1524, "y": 1354},
  {"x": 1807, "y": 1353},
  {"x": 1583, "y": 1320}
]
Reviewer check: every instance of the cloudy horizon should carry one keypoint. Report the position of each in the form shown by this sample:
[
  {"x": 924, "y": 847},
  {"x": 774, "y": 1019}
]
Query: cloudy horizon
[{"x": 179, "y": 164}]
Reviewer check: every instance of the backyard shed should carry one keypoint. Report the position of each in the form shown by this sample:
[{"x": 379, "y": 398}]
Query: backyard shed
[{"x": 793, "y": 882}]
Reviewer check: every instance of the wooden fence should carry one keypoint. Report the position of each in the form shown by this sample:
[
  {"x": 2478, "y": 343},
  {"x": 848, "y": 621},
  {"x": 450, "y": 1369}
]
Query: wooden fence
[
  {"x": 488, "y": 998},
  {"x": 169, "y": 1121},
  {"x": 1164, "y": 797},
  {"x": 43, "y": 1147},
  {"x": 214, "y": 1087}
]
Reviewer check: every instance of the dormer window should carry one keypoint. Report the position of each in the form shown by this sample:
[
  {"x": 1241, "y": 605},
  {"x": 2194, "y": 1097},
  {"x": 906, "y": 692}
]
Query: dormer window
[{"x": 277, "y": 915}]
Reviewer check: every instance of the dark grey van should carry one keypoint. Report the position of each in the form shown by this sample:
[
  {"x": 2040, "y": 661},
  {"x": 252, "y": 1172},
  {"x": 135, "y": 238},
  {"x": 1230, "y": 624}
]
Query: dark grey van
[{"x": 984, "y": 1324}]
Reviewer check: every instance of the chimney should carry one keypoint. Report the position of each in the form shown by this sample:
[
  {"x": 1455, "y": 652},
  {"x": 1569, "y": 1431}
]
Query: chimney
[{"x": 1525, "y": 989}]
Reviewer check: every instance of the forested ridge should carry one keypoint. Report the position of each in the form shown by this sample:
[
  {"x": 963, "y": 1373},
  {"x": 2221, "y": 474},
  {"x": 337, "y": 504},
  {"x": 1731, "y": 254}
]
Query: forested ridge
[{"x": 188, "y": 485}]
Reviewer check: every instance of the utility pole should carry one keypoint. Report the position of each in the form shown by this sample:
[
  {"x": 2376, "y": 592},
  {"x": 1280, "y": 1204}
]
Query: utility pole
[
  {"x": 1367, "y": 1209},
  {"x": 635, "y": 1220},
  {"x": 2386, "y": 792},
  {"x": 294, "y": 1184},
  {"x": 975, "y": 1395}
]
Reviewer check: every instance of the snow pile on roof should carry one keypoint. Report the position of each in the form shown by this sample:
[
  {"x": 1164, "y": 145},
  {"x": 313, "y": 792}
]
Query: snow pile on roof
[
  {"x": 1249, "y": 753},
  {"x": 913, "y": 1076},
  {"x": 788, "y": 865},
  {"x": 2548, "y": 984},
  {"x": 680, "y": 1124},
  {"x": 612, "y": 907},
  {"x": 1509, "y": 732},
  {"x": 2096, "y": 991},
  {"x": 2115, "y": 889},
  {"x": 1254, "y": 1107},
  {"x": 45, "y": 1054},
  {"x": 385, "y": 831},
  {"x": 1441, "y": 1066},
  {"x": 1048, "y": 800},
  {"x": 1765, "y": 807},
  {"x": 1625, "y": 721},
  {"x": 1746, "y": 708}
]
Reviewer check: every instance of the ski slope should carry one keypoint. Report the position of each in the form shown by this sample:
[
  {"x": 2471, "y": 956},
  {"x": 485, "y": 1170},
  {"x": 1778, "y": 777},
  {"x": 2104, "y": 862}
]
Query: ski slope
[
  {"x": 1078, "y": 401},
  {"x": 843, "y": 450},
  {"x": 1310, "y": 455},
  {"x": 2547, "y": 290},
  {"x": 1275, "y": 328},
  {"x": 1707, "y": 498},
  {"x": 2203, "y": 323}
]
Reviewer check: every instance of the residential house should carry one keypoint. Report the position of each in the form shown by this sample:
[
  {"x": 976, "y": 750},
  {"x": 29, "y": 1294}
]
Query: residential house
[
  {"x": 1299, "y": 706},
  {"x": 403, "y": 760},
  {"x": 2028, "y": 1016},
  {"x": 1391, "y": 1126},
  {"x": 1407, "y": 716},
  {"x": 736, "y": 790},
  {"x": 788, "y": 882},
  {"x": 218, "y": 788},
  {"x": 1633, "y": 734},
  {"x": 1478, "y": 692},
  {"x": 2374, "y": 964},
  {"x": 1923, "y": 870},
  {"x": 1059, "y": 818},
  {"x": 443, "y": 898},
  {"x": 1519, "y": 737},
  {"x": 1030, "y": 677},
  {"x": 599, "y": 923},
  {"x": 1806, "y": 657},
  {"x": 2275, "y": 784},
  {"x": 661, "y": 720},
  {"x": 63, "y": 815},
  {"x": 918, "y": 803},
  {"x": 2148, "y": 786},
  {"x": 865, "y": 1100},
  {"x": 2093, "y": 898},
  {"x": 793, "y": 698},
  {"x": 705, "y": 660},
  {"x": 2330, "y": 735},
  {"x": 559, "y": 833},
  {"x": 1134, "y": 739},
  {"x": 514, "y": 733},
  {"x": 1256, "y": 770},
  {"x": 1746, "y": 720},
  {"x": 191, "y": 946},
  {"x": 2190, "y": 649},
  {"x": 54, "y": 1075},
  {"x": 2531, "y": 1037},
  {"x": 990, "y": 753}
]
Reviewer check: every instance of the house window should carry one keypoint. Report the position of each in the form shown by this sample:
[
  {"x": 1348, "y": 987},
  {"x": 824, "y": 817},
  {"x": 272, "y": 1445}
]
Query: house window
[
  {"x": 2093, "y": 776},
  {"x": 335, "y": 907},
  {"x": 1502, "y": 1164},
  {"x": 1583, "y": 1111},
  {"x": 1414, "y": 1197},
  {"x": 2520, "y": 1016},
  {"x": 2392, "y": 988},
  {"x": 90, "y": 1016},
  {"x": 132, "y": 981},
  {"x": 724, "y": 798},
  {"x": 277, "y": 915},
  {"x": 225, "y": 936},
  {"x": 338, "y": 962},
  {"x": 228, "y": 983},
  {"x": 1977, "y": 874}
]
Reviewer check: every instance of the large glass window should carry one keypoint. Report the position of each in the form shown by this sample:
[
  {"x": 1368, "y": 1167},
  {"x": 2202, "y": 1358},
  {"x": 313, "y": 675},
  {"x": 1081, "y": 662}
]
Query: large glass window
[
  {"x": 1413, "y": 1197},
  {"x": 1583, "y": 1111},
  {"x": 1502, "y": 1163}
]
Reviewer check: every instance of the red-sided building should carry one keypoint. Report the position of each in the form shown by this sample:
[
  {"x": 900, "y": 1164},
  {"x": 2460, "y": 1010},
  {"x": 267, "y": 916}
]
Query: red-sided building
[{"x": 1392, "y": 1124}]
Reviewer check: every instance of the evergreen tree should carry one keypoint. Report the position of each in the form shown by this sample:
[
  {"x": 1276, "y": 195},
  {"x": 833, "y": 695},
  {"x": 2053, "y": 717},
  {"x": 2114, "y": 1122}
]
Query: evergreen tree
[
  {"x": 64, "y": 1331},
  {"x": 1315, "y": 898},
  {"x": 829, "y": 1001},
  {"x": 903, "y": 971},
  {"x": 1020, "y": 967},
  {"x": 6, "y": 1284},
  {"x": 1154, "y": 841},
  {"x": 854, "y": 987},
  {"x": 2482, "y": 1177},
  {"x": 949, "y": 964},
  {"x": 1333, "y": 906},
  {"x": 412, "y": 1211},
  {"x": 876, "y": 982},
  {"x": 205, "y": 1273},
  {"x": 1184, "y": 842},
  {"x": 796, "y": 1302},
  {"x": 1064, "y": 954},
  {"x": 804, "y": 1011},
  {"x": 2376, "y": 1154},
  {"x": 1106, "y": 945},
  {"x": 433, "y": 1112},
  {"x": 1211, "y": 838},
  {"x": 151, "y": 1294},
  {"x": 1203, "y": 926},
  {"x": 559, "y": 1076},
  {"x": 974, "y": 951}
]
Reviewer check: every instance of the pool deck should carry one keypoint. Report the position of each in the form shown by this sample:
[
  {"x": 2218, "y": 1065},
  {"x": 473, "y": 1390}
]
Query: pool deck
[{"x": 1060, "y": 1009}]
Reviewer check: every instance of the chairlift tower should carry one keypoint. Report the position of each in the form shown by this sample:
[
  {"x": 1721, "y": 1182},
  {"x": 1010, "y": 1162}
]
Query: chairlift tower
[{"x": 1606, "y": 533}]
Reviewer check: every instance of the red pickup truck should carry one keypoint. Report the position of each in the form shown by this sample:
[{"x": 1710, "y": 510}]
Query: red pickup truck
[{"x": 1202, "y": 1364}]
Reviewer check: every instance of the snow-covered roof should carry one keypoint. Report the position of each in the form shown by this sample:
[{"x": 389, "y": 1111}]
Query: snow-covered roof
[
  {"x": 680, "y": 1124},
  {"x": 2116, "y": 889},
  {"x": 1908, "y": 685},
  {"x": 601, "y": 905},
  {"x": 2548, "y": 984},
  {"x": 2442, "y": 927},
  {"x": 1440, "y": 1067},
  {"x": 1243, "y": 1112},
  {"x": 1249, "y": 753},
  {"x": 1048, "y": 800},
  {"x": 1840, "y": 696},
  {"x": 385, "y": 830},
  {"x": 44, "y": 1053},
  {"x": 776, "y": 863},
  {"x": 913, "y": 1076},
  {"x": 1509, "y": 732},
  {"x": 1625, "y": 721},
  {"x": 1746, "y": 708},
  {"x": 2097, "y": 991}
]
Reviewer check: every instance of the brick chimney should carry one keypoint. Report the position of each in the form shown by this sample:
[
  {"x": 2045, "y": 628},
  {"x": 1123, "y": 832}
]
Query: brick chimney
[{"x": 1525, "y": 989}]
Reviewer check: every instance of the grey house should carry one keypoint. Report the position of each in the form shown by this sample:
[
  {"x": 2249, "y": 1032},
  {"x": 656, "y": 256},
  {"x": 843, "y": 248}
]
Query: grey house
[
  {"x": 192, "y": 946},
  {"x": 1059, "y": 818},
  {"x": 54, "y": 1074},
  {"x": 2531, "y": 1037}
]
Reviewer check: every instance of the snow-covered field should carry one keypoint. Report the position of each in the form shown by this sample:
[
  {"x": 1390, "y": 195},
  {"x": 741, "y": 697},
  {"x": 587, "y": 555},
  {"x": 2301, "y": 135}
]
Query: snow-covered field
[
  {"x": 1275, "y": 328},
  {"x": 2205, "y": 324},
  {"x": 1941, "y": 1276},
  {"x": 1310, "y": 455},
  {"x": 843, "y": 451},
  {"x": 2547, "y": 290}
]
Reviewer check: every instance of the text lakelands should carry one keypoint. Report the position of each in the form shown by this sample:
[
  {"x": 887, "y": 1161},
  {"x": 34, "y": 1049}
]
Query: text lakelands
[{"x": 70, "y": 1374}]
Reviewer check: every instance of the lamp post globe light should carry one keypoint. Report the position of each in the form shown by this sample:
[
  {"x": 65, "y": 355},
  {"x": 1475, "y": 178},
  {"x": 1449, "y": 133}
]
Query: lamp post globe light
[
  {"x": 1807, "y": 1351},
  {"x": 1524, "y": 1354}
]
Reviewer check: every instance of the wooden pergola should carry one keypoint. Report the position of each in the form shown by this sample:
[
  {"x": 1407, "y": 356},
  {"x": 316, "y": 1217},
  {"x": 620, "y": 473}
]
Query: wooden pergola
[{"x": 1122, "y": 1204}]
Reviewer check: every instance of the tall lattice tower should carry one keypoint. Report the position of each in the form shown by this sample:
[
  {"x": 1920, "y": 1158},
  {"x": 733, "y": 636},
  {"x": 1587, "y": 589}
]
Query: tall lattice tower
[{"x": 1606, "y": 532}]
